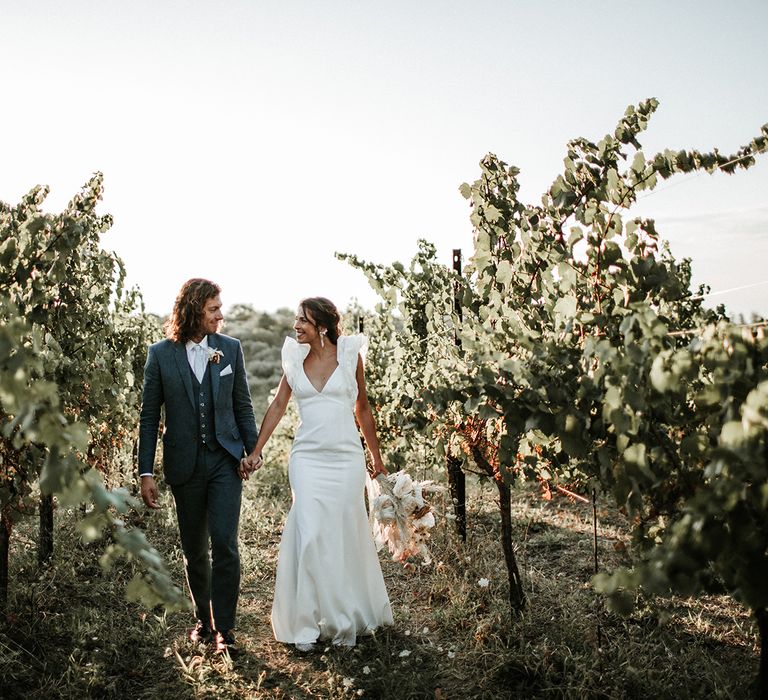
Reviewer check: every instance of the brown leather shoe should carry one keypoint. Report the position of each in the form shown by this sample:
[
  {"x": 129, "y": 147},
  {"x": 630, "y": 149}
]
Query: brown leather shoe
[
  {"x": 201, "y": 633},
  {"x": 226, "y": 644}
]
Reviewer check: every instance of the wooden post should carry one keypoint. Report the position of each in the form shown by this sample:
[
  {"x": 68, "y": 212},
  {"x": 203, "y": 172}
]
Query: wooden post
[
  {"x": 596, "y": 567},
  {"x": 456, "y": 300},
  {"x": 456, "y": 477},
  {"x": 458, "y": 486},
  {"x": 45, "y": 546},
  {"x": 762, "y": 626},
  {"x": 5, "y": 548}
]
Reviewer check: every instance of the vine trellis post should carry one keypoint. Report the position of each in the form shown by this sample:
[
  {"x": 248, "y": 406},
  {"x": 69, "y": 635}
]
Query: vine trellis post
[
  {"x": 456, "y": 476},
  {"x": 45, "y": 546},
  {"x": 596, "y": 566},
  {"x": 457, "y": 482},
  {"x": 762, "y": 624},
  {"x": 5, "y": 548}
]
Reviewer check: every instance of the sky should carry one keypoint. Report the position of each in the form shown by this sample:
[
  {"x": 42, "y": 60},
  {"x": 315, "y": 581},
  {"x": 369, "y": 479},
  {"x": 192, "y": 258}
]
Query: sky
[{"x": 247, "y": 141}]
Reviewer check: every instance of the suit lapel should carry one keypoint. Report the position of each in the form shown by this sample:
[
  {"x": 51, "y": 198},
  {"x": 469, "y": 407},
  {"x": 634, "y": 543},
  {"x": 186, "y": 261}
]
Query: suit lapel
[
  {"x": 182, "y": 363},
  {"x": 215, "y": 367}
]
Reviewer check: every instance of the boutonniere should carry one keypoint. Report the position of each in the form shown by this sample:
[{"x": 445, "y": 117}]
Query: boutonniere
[{"x": 215, "y": 355}]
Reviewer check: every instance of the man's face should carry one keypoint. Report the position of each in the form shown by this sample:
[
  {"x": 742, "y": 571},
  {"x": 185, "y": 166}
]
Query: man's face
[{"x": 212, "y": 316}]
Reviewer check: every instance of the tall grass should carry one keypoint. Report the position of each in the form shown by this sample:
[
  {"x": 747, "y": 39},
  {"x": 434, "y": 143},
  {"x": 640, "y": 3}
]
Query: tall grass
[{"x": 71, "y": 633}]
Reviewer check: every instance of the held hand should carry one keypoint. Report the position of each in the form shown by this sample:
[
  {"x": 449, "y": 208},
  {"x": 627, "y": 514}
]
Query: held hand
[
  {"x": 378, "y": 468},
  {"x": 249, "y": 464},
  {"x": 149, "y": 492}
]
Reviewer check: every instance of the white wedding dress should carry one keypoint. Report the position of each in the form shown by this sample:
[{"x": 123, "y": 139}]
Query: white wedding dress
[{"x": 329, "y": 582}]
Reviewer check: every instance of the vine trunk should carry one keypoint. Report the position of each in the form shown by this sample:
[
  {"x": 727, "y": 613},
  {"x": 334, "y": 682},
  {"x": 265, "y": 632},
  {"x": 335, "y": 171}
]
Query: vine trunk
[{"x": 516, "y": 591}]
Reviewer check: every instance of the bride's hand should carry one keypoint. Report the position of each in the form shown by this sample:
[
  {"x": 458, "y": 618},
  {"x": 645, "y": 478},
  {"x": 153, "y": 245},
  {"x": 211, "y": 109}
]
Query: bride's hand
[
  {"x": 378, "y": 469},
  {"x": 249, "y": 464}
]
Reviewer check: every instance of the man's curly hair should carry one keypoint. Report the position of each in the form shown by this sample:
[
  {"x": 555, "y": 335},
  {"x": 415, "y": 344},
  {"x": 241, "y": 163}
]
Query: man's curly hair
[{"x": 184, "y": 321}]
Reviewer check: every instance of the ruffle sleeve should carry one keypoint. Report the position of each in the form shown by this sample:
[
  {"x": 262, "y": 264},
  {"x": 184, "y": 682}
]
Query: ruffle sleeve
[
  {"x": 349, "y": 348},
  {"x": 293, "y": 355}
]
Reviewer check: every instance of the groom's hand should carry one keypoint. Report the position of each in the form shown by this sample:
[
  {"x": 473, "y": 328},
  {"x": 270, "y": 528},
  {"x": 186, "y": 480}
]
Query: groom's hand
[
  {"x": 248, "y": 465},
  {"x": 149, "y": 492}
]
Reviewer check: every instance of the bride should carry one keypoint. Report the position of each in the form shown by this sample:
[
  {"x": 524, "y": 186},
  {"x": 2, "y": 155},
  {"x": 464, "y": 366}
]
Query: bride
[{"x": 329, "y": 583}]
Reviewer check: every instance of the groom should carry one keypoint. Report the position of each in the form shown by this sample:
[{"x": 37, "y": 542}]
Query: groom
[{"x": 199, "y": 376}]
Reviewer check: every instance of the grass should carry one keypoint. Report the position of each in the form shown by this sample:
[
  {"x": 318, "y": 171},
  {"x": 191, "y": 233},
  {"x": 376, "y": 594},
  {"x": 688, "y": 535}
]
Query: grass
[{"x": 72, "y": 634}]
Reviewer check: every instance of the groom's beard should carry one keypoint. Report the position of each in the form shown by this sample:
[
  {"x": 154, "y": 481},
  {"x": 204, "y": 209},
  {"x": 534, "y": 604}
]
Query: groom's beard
[{"x": 211, "y": 328}]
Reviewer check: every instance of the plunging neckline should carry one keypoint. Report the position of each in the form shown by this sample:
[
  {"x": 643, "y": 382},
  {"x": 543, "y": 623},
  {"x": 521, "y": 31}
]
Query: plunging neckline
[{"x": 330, "y": 376}]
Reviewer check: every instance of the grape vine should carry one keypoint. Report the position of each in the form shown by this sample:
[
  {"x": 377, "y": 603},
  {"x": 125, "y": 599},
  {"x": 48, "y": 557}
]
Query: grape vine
[
  {"x": 585, "y": 360},
  {"x": 72, "y": 346}
]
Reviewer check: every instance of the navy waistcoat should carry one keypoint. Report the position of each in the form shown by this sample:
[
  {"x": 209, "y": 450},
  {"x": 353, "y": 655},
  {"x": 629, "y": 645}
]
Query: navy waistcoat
[{"x": 206, "y": 427}]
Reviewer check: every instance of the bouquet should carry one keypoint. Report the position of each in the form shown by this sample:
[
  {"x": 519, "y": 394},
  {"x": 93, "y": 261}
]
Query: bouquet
[{"x": 400, "y": 517}]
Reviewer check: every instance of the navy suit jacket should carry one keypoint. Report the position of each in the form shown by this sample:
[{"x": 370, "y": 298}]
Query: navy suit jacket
[{"x": 168, "y": 382}]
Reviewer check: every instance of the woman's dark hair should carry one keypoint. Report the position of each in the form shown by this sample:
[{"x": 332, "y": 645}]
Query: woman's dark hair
[
  {"x": 325, "y": 314},
  {"x": 184, "y": 321}
]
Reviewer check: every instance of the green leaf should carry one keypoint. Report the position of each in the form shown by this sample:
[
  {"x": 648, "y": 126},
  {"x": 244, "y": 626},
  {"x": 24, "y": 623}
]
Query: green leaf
[
  {"x": 504, "y": 272},
  {"x": 565, "y": 308}
]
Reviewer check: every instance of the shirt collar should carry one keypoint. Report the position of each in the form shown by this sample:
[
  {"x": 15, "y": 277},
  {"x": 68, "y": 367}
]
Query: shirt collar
[{"x": 203, "y": 343}]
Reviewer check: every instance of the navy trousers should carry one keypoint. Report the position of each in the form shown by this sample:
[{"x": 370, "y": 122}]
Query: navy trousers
[{"x": 208, "y": 510}]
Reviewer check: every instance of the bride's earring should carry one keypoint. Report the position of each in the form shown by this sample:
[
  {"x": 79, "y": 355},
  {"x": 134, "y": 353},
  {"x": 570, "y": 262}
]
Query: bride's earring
[{"x": 322, "y": 338}]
